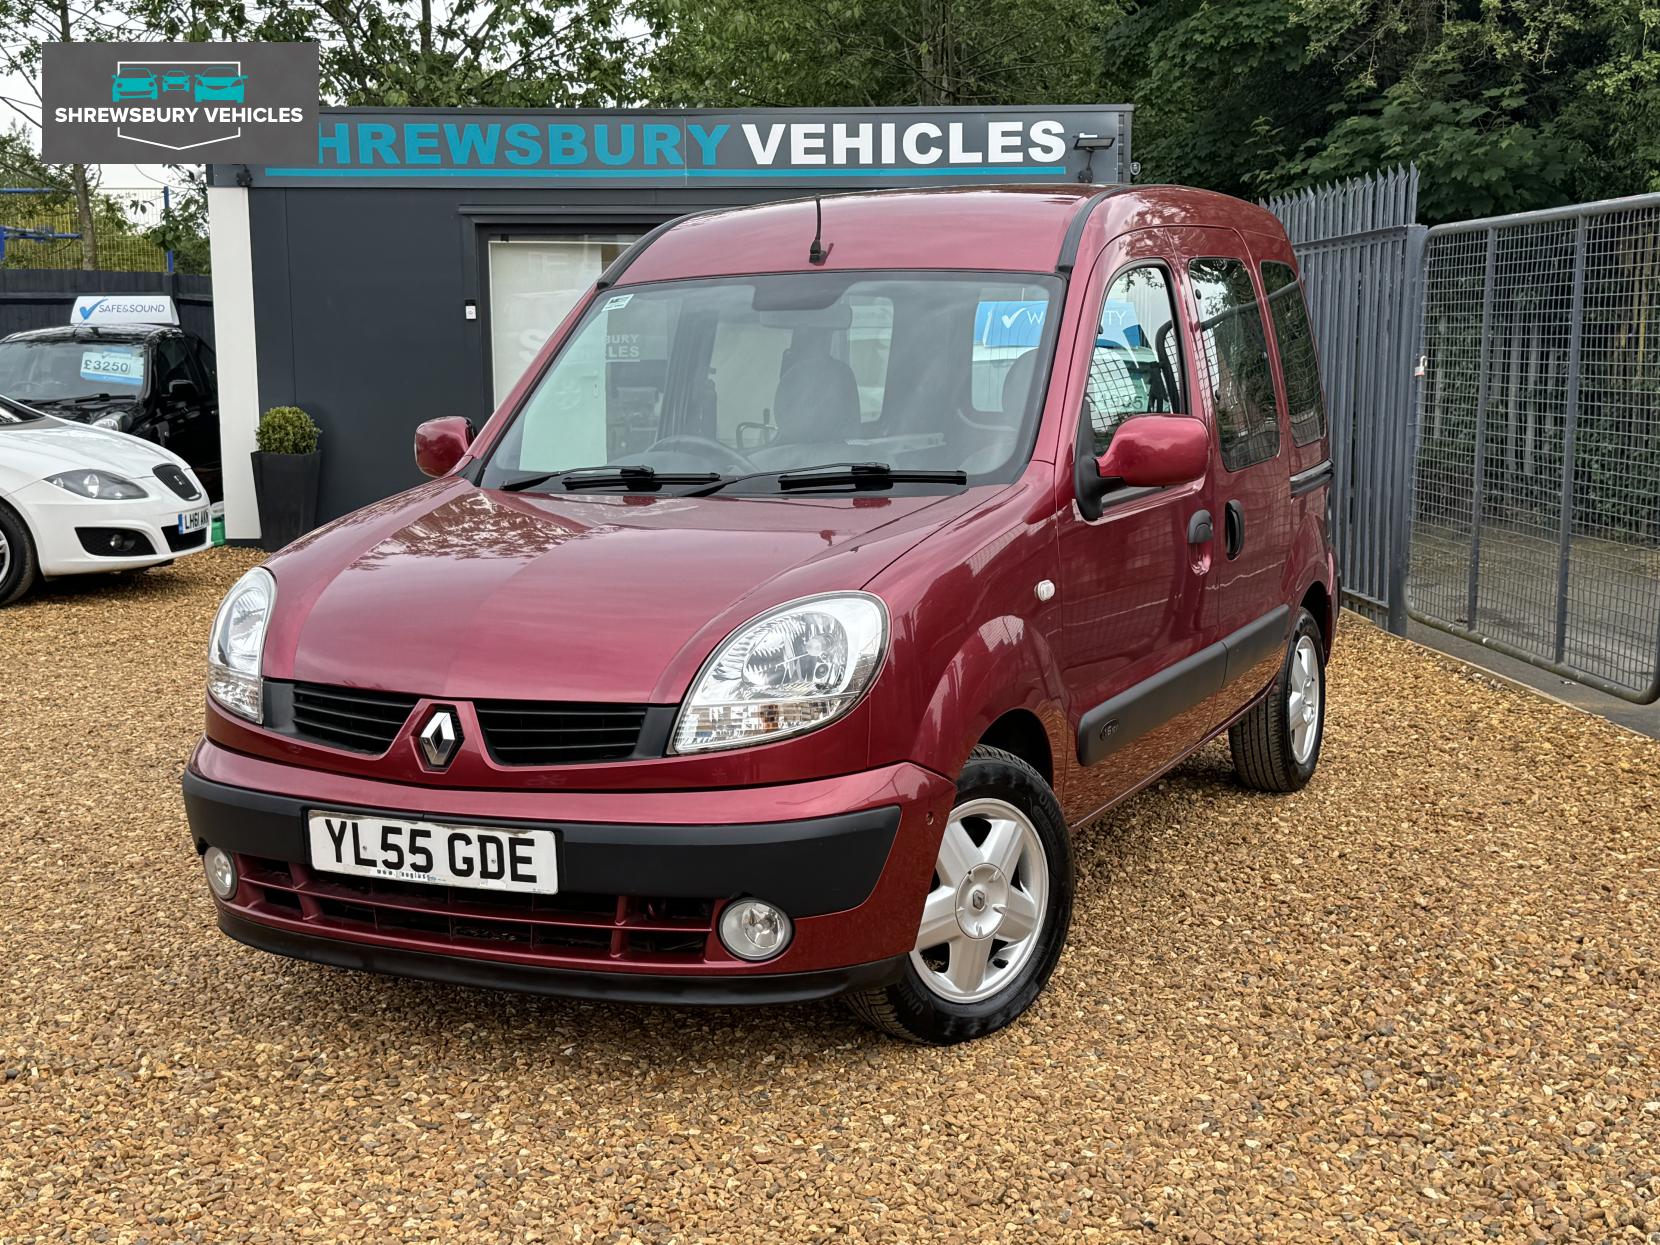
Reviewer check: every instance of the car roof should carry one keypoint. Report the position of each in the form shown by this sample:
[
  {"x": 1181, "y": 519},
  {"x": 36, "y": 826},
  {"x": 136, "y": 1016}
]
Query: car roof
[
  {"x": 95, "y": 333},
  {"x": 1013, "y": 228}
]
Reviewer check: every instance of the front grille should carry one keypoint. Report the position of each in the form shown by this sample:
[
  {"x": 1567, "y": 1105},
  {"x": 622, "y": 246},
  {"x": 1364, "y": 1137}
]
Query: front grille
[
  {"x": 595, "y": 929},
  {"x": 349, "y": 717},
  {"x": 176, "y": 480},
  {"x": 179, "y": 541},
  {"x": 530, "y": 732}
]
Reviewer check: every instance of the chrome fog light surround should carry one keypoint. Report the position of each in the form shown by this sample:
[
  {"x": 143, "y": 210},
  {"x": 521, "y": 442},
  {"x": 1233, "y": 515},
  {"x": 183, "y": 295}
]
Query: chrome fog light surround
[
  {"x": 753, "y": 929},
  {"x": 221, "y": 872}
]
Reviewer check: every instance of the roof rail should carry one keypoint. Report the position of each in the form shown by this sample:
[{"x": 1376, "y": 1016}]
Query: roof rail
[{"x": 1075, "y": 231}]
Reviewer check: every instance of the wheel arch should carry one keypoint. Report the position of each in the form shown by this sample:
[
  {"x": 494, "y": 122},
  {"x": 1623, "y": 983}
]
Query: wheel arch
[
  {"x": 1001, "y": 688},
  {"x": 1021, "y": 732},
  {"x": 1317, "y": 600}
]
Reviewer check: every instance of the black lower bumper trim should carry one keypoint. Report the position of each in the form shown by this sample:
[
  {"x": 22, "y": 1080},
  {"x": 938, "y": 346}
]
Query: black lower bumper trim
[
  {"x": 808, "y": 868},
  {"x": 618, "y": 987}
]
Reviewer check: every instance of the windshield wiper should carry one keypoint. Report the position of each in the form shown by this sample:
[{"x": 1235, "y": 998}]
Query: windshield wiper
[
  {"x": 874, "y": 474},
  {"x": 871, "y": 475},
  {"x": 627, "y": 475}
]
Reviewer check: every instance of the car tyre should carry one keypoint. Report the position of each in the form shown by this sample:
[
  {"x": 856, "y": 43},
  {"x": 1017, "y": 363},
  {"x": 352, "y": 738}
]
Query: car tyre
[
  {"x": 1276, "y": 746},
  {"x": 1007, "y": 851},
  {"x": 18, "y": 566}
]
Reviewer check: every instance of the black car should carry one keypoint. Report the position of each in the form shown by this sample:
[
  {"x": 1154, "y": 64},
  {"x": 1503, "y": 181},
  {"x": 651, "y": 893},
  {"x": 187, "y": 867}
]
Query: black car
[{"x": 154, "y": 381}]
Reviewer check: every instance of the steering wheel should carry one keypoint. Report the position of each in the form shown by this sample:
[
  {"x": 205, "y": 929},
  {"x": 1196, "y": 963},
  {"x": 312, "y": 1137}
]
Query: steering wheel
[{"x": 701, "y": 446}]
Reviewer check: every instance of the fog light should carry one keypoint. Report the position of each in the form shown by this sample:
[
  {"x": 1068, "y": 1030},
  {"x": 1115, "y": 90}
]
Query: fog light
[
  {"x": 752, "y": 930},
  {"x": 221, "y": 872}
]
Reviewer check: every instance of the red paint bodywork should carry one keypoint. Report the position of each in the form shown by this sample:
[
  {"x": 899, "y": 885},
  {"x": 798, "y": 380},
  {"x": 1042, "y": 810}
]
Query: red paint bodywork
[
  {"x": 450, "y": 591},
  {"x": 440, "y": 444},
  {"x": 1153, "y": 451}
]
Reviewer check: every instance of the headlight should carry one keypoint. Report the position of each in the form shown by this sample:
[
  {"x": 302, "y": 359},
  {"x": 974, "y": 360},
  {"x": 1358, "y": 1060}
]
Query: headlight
[
  {"x": 99, "y": 484},
  {"x": 108, "y": 421},
  {"x": 790, "y": 670},
  {"x": 236, "y": 648}
]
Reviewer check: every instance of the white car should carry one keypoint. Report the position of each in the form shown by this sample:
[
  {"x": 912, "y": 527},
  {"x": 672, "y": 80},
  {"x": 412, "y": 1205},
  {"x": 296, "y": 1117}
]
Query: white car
[{"x": 76, "y": 499}]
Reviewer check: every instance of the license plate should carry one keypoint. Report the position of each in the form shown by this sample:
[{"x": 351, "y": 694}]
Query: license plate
[
  {"x": 480, "y": 857},
  {"x": 193, "y": 521}
]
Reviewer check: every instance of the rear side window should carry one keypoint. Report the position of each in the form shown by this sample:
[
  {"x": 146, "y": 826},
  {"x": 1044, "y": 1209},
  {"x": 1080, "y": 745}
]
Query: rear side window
[
  {"x": 1234, "y": 347},
  {"x": 172, "y": 363},
  {"x": 1135, "y": 367},
  {"x": 1297, "y": 358}
]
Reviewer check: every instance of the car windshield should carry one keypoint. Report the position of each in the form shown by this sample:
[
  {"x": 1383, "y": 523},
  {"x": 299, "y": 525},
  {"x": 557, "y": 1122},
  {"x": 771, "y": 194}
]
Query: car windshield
[
  {"x": 56, "y": 371},
  {"x": 920, "y": 372}
]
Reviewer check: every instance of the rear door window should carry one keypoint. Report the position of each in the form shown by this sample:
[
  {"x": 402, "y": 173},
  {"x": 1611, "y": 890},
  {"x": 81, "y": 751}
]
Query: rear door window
[
  {"x": 1298, "y": 361},
  {"x": 1233, "y": 349}
]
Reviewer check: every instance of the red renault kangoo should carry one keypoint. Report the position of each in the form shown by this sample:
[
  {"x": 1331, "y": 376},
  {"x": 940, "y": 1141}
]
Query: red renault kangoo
[{"x": 829, "y": 565}]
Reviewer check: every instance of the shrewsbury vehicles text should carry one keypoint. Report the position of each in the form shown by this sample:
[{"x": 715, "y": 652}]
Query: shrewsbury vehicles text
[
  {"x": 659, "y": 143},
  {"x": 182, "y": 114}
]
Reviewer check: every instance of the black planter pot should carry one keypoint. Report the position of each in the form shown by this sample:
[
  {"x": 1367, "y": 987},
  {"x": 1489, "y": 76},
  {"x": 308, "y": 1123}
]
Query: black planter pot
[{"x": 286, "y": 488}]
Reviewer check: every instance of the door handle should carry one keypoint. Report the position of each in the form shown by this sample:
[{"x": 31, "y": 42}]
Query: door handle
[
  {"x": 1200, "y": 530},
  {"x": 1233, "y": 524}
]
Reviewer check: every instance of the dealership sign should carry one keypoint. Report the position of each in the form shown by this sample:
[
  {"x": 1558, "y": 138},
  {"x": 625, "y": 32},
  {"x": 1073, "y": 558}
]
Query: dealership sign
[
  {"x": 170, "y": 103},
  {"x": 686, "y": 148}
]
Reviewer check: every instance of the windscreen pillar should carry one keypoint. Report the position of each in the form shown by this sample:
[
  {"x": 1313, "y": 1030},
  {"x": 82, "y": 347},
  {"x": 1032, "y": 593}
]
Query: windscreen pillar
[{"x": 233, "y": 329}]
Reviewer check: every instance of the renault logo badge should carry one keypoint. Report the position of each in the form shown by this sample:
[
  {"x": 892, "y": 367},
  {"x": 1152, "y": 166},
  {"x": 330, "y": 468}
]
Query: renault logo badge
[{"x": 440, "y": 737}]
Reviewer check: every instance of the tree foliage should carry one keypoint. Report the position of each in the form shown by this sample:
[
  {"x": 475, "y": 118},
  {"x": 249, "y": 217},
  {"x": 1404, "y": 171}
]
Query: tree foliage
[
  {"x": 25, "y": 27},
  {"x": 47, "y": 229},
  {"x": 872, "y": 53},
  {"x": 1503, "y": 104},
  {"x": 479, "y": 53}
]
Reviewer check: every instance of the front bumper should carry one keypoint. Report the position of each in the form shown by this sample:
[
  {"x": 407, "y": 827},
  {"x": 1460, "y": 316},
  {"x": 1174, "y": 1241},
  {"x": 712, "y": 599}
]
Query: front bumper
[
  {"x": 458, "y": 970},
  {"x": 55, "y": 515},
  {"x": 641, "y": 890}
]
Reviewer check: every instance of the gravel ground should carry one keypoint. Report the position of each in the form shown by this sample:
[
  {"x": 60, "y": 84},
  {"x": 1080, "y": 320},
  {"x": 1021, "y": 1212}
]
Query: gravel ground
[{"x": 1417, "y": 1001}]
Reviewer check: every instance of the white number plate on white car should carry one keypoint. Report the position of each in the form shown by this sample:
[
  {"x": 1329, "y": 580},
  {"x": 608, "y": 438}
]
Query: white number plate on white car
[
  {"x": 193, "y": 521},
  {"x": 443, "y": 855}
]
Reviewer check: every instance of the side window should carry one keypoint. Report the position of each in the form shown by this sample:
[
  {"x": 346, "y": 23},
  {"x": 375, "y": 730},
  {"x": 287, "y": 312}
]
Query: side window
[
  {"x": 1234, "y": 349},
  {"x": 1297, "y": 357},
  {"x": 1135, "y": 368},
  {"x": 209, "y": 365},
  {"x": 172, "y": 363}
]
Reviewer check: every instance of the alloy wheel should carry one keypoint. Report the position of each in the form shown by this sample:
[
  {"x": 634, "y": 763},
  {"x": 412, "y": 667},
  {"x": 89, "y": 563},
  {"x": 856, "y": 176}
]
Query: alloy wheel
[
  {"x": 982, "y": 919},
  {"x": 1302, "y": 707}
]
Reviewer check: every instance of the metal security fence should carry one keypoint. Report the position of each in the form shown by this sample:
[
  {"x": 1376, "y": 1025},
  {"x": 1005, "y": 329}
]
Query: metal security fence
[
  {"x": 1536, "y": 497},
  {"x": 136, "y": 230},
  {"x": 1360, "y": 251}
]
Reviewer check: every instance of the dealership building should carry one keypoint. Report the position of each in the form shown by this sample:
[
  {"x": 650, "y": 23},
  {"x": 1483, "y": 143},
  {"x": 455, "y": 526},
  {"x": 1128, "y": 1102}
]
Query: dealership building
[{"x": 416, "y": 267}]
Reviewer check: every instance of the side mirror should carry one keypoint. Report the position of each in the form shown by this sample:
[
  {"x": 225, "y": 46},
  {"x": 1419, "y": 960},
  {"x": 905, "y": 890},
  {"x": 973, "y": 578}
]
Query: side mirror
[
  {"x": 1147, "y": 451},
  {"x": 183, "y": 390},
  {"x": 441, "y": 443},
  {"x": 1156, "y": 450}
]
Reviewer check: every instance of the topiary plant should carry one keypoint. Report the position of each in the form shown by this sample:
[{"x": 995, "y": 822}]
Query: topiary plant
[{"x": 286, "y": 430}]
